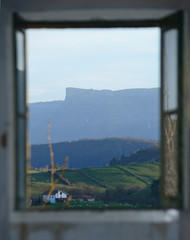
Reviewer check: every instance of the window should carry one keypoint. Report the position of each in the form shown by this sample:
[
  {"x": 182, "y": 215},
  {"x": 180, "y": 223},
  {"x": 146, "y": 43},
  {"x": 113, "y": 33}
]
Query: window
[
  {"x": 172, "y": 112},
  {"x": 171, "y": 96}
]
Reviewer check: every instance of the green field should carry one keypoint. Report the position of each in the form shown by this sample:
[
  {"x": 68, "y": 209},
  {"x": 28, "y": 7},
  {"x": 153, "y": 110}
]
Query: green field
[
  {"x": 86, "y": 205},
  {"x": 75, "y": 176},
  {"x": 133, "y": 175},
  {"x": 141, "y": 174}
]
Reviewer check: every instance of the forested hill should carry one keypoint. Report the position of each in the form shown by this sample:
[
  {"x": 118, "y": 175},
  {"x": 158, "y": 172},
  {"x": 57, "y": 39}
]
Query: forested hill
[
  {"x": 88, "y": 152},
  {"x": 88, "y": 113},
  {"x": 148, "y": 155}
]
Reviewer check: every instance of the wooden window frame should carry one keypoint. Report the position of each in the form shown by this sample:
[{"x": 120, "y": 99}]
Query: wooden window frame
[{"x": 20, "y": 24}]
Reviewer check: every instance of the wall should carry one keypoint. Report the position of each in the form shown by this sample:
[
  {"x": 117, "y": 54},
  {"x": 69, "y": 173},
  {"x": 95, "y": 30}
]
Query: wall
[{"x": 56, "y": 226}]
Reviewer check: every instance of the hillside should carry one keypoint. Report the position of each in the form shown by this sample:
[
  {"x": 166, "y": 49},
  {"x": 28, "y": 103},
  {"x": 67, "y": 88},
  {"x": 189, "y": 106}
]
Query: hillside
[
  {"x": 128, "y": 176},
  {"x": 151, "y": 154},
  {"x": 88, "y": 113},
  {"x": 134, "y": 175},
  {"x": 88, "y": 152}
]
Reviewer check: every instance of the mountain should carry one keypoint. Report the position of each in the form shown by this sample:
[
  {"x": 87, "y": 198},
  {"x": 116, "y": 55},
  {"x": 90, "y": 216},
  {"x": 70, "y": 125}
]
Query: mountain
[
  {"x": 88, "y": 113},
  {"x": 88, "y": 152}
]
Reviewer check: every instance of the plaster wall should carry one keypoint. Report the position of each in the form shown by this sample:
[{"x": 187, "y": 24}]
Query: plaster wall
[{"x": 21, "y": 226}]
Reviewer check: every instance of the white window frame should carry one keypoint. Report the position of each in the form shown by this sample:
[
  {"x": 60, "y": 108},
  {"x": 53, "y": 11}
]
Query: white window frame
[{"x": 153, "y": 216}]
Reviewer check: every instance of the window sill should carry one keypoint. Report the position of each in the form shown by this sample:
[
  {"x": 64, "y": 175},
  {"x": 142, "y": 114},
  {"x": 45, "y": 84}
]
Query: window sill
[{"x": 114, "y": 216}]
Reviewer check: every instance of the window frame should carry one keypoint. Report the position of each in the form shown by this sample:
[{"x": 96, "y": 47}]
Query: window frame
[
  {"x": 175, "y": 21},
  {"x": 20, "y": 23}
]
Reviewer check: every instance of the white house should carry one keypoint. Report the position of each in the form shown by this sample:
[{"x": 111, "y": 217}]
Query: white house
[{"x": 55, "y": 196}]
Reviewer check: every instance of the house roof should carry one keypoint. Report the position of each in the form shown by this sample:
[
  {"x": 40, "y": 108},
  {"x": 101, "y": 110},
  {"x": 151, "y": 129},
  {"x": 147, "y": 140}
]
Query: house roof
[{"x": 53, "y": 192}]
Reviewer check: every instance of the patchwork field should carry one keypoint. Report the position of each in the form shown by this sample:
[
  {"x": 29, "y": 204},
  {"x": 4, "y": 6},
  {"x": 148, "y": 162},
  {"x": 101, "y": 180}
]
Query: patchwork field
[{"x": 102, "y": 178}]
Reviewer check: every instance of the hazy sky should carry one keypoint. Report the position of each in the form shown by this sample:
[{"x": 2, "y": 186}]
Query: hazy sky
[{"x": 91, "y": 58}]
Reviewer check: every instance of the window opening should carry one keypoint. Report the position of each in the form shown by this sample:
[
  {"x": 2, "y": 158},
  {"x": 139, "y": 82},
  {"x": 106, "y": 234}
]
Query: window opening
[
  {"x": 61, "y": 171},
  {"x": 101, "y": 90}
]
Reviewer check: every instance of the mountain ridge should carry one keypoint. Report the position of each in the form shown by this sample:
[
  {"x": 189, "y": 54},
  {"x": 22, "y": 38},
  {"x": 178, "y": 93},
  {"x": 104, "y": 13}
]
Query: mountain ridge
[
  {"x": 88, "y": 113},
  {"x": 87, "y": 153}
]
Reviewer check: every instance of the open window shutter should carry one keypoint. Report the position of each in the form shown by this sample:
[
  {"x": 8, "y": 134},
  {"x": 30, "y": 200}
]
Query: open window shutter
[
  {"x": 21, "y": 117},
  {"x": 172, "y": 110}
]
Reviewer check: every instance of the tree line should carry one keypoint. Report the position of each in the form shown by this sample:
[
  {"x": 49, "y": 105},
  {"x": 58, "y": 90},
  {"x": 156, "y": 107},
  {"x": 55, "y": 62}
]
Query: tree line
[{"x": 151, "y": 154}]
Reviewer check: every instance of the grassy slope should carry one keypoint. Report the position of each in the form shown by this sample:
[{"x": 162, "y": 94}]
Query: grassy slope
[
  {"x": 76, "y": 177},
  {"x": 129, "y": 176},
  {"x": 112, "y": 176},
  {"x": 145, "y": 171}
]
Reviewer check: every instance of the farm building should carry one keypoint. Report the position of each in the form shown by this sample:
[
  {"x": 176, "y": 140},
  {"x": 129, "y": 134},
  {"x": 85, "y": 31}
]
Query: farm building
[{"x": 55, "y": 196}]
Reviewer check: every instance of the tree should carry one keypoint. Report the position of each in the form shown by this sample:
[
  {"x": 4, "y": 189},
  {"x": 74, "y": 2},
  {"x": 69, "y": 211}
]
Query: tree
[
  {"x": 57, "y": 166},
  {"x": 108, "y": 196},
  {"x": 114, "y": 162},
  {"x": 155, "y": 190},
  {"x": 120, "y": 194}
]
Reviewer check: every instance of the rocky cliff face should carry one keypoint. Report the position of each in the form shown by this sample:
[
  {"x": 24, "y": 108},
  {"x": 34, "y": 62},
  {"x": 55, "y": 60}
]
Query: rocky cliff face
[{"x": 97, "y": 114}]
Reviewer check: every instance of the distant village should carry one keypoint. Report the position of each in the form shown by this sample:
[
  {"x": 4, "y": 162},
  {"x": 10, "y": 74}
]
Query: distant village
[{"x": 60, "y": 196}]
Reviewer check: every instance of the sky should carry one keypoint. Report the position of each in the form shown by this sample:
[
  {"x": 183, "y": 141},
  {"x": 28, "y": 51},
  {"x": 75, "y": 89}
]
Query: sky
[{"x": 115, "y": 59}]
